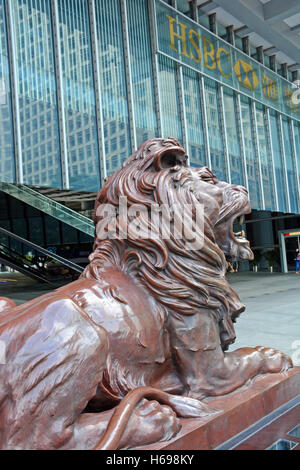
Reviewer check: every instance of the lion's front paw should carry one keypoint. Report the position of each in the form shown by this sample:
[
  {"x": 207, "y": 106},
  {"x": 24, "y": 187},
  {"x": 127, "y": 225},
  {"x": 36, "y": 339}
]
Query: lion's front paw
[
  {"x": 150, "y": 423},
  {"x": 274, "y": 360}
]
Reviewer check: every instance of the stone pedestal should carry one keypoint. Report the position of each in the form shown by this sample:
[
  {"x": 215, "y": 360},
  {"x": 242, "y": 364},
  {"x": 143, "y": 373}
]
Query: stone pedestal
[{"x": 254, "y": 417}]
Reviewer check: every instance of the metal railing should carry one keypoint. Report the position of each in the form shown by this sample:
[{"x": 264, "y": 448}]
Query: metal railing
[{"x": 49, "y": 206}]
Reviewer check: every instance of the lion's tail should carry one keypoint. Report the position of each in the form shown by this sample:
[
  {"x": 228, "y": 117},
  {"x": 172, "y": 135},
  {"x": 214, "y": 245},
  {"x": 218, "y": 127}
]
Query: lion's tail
[
  {"x": 123, "y": 412},
  {"x": 183, "y": 406}
]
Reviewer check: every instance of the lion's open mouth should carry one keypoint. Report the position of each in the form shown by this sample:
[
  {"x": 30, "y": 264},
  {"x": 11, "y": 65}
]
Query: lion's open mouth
[
  {"x": 233, "y": 242},
  {"x": 239, "y": 237},
  {"x": 239, "y": 246}
]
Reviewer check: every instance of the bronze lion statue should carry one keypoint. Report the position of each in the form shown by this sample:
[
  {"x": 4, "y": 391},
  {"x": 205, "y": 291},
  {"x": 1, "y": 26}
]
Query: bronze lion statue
[{"x": 113, "y": 359}]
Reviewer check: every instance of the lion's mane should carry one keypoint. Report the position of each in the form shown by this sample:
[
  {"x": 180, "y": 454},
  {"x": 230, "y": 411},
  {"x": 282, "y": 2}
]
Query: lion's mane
[{"x": 182, "y": 281}]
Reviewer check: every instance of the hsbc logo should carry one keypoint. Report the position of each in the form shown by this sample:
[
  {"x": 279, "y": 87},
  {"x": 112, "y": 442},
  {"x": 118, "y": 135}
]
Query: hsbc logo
[{"x": 246, "y": 75}]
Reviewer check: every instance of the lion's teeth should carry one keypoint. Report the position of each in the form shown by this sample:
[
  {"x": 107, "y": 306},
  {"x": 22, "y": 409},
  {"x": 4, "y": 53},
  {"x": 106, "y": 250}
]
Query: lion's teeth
[{"x": 240, "y": 234}]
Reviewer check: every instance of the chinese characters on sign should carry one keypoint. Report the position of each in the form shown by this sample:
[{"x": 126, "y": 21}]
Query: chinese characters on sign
[{"x": 270, "y": 88}]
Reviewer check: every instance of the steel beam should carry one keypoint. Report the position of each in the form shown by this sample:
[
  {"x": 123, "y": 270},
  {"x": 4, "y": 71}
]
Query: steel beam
[
  {"x": 296, "y": 29},
  {"x": 132, "y": 124},
  {"x": 12, "y": 57},
  {"x": 182, "y": 107},
  {"x": 205, "y": 123},
  {"x": 230, "y": 34},
  {"x": 282, "y": 147},
  {"x": 97, "y": 87},
  {"x": 257, "y": 152},
  {"x": 278, "y": 10},
  {"x": 223, "y": 130},
  {"x": 153, "y": 42},
  {"x": 243, "y": 31},
  {"x": 208, "y": 6},
  {"x": 60, "y": 96},
  {"x": 241, "y": 138},
  {"x": 269, "y": 138}
]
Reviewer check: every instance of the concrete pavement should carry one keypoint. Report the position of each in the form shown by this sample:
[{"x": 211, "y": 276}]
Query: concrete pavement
[{"x": 272, "y": 316}]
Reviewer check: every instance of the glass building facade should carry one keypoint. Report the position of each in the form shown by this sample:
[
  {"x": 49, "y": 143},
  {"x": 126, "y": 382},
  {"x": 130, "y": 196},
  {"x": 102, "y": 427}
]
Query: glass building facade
[{"x": 82, "y": 84}]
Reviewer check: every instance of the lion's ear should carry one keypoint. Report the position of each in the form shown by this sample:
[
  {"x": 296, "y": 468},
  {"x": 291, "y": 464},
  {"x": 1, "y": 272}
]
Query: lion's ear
[{"x": 171, "y": 159}]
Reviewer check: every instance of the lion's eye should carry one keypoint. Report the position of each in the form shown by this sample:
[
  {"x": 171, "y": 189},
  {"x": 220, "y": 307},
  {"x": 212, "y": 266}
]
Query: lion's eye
[{"x": 169, "y": 160}]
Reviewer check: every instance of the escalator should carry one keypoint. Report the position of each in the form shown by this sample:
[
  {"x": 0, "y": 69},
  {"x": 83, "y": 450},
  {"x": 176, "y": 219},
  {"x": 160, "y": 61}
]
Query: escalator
[
  {"x": 49, "y": 206},
  {"x": 34, "y": 261}
]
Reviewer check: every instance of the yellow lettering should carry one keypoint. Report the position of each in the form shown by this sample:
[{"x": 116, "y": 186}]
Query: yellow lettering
[
  {"x": 179, "y": 36},
  {"x": 210, "y": 54},
  {"x": 270, "y": 88},
  {"x": 218, "y": 56},
  {"x": 195, "y": 45}
]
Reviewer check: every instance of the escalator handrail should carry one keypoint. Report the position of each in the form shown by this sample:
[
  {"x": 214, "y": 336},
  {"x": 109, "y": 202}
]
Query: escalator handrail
[
  {"x": 17, "y": 255},
  {"x": 6, "y": 251},
  {"x": 11, "y": 189},
  {"x": 48, "y": 199},
  {"x": 62, "y": 260},
  {"x": 25, "y": 270}
]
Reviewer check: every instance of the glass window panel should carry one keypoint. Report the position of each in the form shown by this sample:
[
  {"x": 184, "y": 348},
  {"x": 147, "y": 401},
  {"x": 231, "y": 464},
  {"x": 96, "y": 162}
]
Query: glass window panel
[
  {"x": 69, "y": 234},
  {"x": 193, "y": 116},
  {"x": 297, "y": 144},
  {"x": 214, "y": 129},
  {"x": 19, "y": 227},
  {"x": 233, "y": 141},
  {"x": 222, "y": 31},
  {"x": 264, "y": 153},
  {"x": 238, "y": 42},
  {"x": 37, "y": 88},
  {"x": 203, "y": 19},
  {"x": 79, "y": 96},
  {"x": 251, "y": 157},
  {"x": 16, "y": 246},
  {"x": 16, "y": 207},
  {"x": 7, "y": 165},
  {"x": 184, "y": 6},
  {"x": 141, "y": 70},
  {"x": 36, "y": 232},
  {"x": 52, "y": 230},
  {"x": 170, "y": 111},
  {"x": 112, "y": 76},
  {"x": 278, "y": 163},
  {"x": 5, "y": 240},
  {"x": 287, "y": 139},
  {"x": 3, "y": 207}
]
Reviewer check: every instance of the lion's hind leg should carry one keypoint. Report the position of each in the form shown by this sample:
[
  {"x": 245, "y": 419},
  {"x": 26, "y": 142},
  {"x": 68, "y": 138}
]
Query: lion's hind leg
[{"x": 55, "y": 360}]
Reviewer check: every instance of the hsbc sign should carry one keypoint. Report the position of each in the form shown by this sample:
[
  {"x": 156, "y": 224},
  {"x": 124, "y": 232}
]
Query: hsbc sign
[{"x": 188, "y": 43}]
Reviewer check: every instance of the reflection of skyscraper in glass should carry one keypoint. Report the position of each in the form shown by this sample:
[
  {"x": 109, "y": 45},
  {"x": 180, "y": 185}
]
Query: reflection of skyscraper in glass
[
  {"x": 250, "y": 155},
  {"x": 37, "y": 92},
  {"x": 193, "y": 117},
  {"x": 115, "y": 131},
  {"x": 214, "y": 129},
  {"x": 79, "y": 94},
  {"x": 7, "y": 166},
  {"x": 233, "y": 141}
]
